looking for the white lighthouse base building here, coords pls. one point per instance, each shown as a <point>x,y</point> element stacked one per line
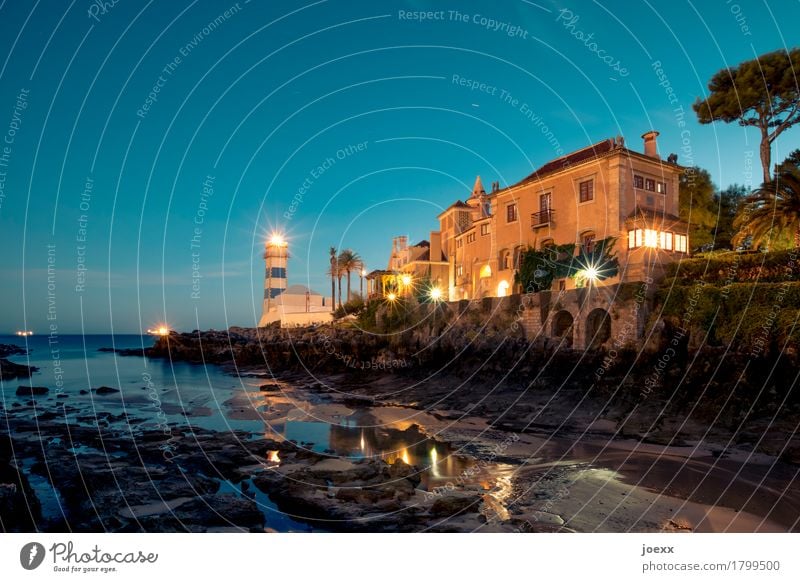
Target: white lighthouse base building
<point>296,306</point>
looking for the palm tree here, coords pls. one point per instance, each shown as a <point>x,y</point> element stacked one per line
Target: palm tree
<point>772,210</point>
<point>333,272</point>
<point>349,261</point>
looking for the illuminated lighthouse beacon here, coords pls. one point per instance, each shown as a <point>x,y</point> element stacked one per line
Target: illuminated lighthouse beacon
<point>291,305</point>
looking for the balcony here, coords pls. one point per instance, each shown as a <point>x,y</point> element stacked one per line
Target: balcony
<point>543,218</point>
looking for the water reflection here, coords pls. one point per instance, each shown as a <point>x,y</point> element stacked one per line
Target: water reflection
<point>359,436</point>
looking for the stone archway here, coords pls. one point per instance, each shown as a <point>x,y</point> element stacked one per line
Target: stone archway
<point>562,326</point>
<point>598,328</point>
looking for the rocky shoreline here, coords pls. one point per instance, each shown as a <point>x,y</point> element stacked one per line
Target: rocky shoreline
<point>707,394</point>
<point>504,400</point>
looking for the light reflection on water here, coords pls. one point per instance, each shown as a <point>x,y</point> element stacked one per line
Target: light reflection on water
<point>358,437</point>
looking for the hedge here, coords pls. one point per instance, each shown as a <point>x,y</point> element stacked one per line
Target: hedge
<point>725,268</point>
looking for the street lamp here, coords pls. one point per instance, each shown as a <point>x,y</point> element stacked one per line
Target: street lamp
<point>361,288</point>
<point>436,294</point>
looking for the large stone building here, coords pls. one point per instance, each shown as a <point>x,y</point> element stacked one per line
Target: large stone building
<point>599,191</point>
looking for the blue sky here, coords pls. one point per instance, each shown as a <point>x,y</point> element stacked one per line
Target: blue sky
<point>275,97</point>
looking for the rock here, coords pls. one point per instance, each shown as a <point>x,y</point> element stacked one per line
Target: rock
<point>32,390</point>
<point>10,370</point>
<point>400,470</point>
<point>270,388</point>
<point>105,390</point>
<point>11,350</point>
<point>450,505</point>
<point>84,392</point>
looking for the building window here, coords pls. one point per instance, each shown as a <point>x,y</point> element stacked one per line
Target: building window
<point>471,238</point>
<point>638,182</point>
<point>484,229</point>
<point>587,241</point>
<point>651,201</point>
<point>517,257</point>
<point>278,273</point>
<point>547,243</point>
<point>586,190</point>
<point>459,243</point>
<point>650,184</point>
<point>661,187</point>
<point>511,213</point>
<point>545,202</point>
<point>651,238</point>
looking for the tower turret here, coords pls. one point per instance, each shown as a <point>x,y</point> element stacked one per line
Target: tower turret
<point>276,255</point>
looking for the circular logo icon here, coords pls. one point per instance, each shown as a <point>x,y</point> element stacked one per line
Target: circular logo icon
<point>31,555</point>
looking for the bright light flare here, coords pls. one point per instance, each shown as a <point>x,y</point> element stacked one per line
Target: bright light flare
<point>391,296</point>
<point>161,329</point>
<point>436,294</point>
<point>591,273</point>
<point>277,240</point>
<point>406,279</point>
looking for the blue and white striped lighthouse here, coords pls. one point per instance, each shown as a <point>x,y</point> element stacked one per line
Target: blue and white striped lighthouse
<point>276,257</point>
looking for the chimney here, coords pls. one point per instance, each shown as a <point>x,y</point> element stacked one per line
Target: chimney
<point>436,246</point>
<point>650,147</point>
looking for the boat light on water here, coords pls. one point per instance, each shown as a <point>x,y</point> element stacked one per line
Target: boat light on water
<point>24,332</point>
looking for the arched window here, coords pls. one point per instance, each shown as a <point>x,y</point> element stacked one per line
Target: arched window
<point>505,259</point>
<point>518,256</point>
<point>587,241</point>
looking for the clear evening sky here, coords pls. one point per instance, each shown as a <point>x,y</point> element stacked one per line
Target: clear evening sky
<point>133,124</point>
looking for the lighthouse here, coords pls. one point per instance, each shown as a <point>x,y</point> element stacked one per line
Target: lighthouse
<point>275,256</point>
